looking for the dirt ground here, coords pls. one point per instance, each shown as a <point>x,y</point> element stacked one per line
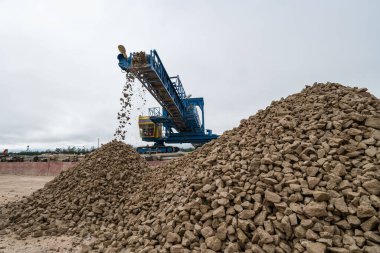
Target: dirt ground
<point>12,188</point>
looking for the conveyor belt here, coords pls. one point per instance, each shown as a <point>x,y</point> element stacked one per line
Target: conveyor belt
<point>170,95</point>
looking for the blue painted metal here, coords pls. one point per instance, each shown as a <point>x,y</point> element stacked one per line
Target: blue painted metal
<point>156,149</point>
<point>178,111</point>
<point>155,111</point>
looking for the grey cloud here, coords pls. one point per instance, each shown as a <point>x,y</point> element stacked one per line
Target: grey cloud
<point>60,83</point>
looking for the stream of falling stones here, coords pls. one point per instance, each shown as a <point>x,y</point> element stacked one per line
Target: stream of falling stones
<point>127,101</point>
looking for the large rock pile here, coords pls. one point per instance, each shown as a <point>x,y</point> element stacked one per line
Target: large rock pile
<point>86,196</point>
<point>301,175</point>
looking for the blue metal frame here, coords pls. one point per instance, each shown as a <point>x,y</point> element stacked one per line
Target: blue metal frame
<point>157,66</point>
<point>179,111</point>
<point>154,111</point>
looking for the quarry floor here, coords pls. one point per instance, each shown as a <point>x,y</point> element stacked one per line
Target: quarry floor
<point>14,187</point>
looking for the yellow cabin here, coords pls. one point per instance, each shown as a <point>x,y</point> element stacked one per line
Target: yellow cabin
<point>149,129</point>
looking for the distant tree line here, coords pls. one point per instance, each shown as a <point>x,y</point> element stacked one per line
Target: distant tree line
<point>187,149</point>
<point>69,150</point>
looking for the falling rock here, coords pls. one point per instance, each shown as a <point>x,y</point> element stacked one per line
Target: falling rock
<point>315,209</point>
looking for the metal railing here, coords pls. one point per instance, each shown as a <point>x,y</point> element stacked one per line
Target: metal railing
<point>155,111</point>
<point>157,65</point>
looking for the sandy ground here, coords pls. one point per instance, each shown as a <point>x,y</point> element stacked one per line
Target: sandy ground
<point>9,243</point>
<point>13,188</point>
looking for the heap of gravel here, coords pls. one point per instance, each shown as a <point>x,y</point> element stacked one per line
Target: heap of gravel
<point>301,175</point>
<point>86,196</point>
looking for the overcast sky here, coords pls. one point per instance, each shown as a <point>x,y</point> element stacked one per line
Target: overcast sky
<point>60,83</point>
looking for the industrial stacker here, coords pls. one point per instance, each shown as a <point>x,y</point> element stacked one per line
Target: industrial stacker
<point>178,120</point>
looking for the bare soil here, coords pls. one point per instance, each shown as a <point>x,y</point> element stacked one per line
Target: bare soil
<point>14,187</point>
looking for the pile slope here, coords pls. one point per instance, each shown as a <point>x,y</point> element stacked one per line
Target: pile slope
<point>301,175</point>
<point>84,198</point>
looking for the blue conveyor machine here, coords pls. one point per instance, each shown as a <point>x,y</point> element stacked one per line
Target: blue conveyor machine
<point>178,120</point>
